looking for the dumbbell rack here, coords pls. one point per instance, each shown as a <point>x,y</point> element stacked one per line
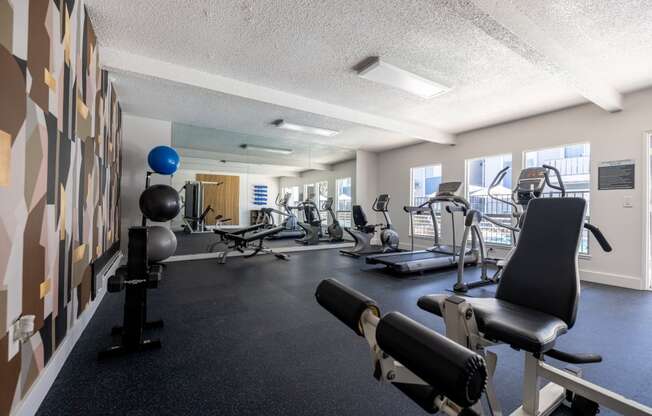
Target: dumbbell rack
<point>135,279</point>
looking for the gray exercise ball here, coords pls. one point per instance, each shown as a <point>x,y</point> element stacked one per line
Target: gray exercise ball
<point>161,243</point>
<point>160,203</point>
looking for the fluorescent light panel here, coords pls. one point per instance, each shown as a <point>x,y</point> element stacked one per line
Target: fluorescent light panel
<point>282,124</point>
<point>267,149</point>
<point>384,73</point>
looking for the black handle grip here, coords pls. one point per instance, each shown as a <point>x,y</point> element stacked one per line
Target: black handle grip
<point>574,358</point>
<point>561,186</point>
<point>457,372</point>
<point>344,303</point>
<point>602,240</point>
<point>499,176</point>
<point>450,209</point>
<point>473,217</point>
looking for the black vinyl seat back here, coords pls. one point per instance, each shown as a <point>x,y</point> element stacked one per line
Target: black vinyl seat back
<point>542,273</point>
<point>359,217</point>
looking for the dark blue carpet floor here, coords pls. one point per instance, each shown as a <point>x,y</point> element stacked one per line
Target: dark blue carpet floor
<point>247,338</point>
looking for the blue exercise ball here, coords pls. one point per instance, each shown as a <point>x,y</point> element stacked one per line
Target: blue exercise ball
<point>164,160</point>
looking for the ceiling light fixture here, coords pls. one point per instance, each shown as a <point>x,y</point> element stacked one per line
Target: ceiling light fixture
<point>282,124</point>
<point>267,149</point>
<point>376,70</point>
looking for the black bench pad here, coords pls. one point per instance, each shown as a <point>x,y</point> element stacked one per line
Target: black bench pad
<point>506,322</point>
<point>255,236</point>
<point>236,231</point>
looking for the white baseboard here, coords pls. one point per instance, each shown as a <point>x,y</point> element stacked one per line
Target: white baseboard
<point>611,279</point>
<point>292,249</point>
<point>35,395</point>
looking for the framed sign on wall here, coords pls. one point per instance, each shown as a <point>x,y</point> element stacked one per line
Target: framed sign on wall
<point>616,174</point>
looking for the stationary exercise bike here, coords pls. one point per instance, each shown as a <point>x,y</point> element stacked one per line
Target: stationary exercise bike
<point>364,232</point>
<point>334,229</point>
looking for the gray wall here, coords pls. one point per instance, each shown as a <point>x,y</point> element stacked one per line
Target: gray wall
<point>612,137</point>
<point>140,136</point>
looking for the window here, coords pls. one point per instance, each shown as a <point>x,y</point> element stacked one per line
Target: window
<point>309,192</point>
<point>294,194</point>
<point>322,195</point>
<point>424,183</point>
<point>480,173</point>
<point>343,201</point>
<point>574,164</point>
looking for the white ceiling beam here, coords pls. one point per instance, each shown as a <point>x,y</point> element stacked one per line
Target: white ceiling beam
<point>235,167</point>
<point>287,162</point>
<point>503,21</point>
<point>120,61</point>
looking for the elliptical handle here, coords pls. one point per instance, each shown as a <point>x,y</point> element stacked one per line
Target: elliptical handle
<point>561,186</point>
<point>602,240</point>
<point>499,177</point>
<point>497,180</point>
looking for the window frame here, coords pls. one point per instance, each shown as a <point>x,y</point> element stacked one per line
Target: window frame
<point>585,233</point>
<point>289,189</point>
<point>344,216</point>
<point>318,185</point>
<point>468,197</point>
<point>437,213</point>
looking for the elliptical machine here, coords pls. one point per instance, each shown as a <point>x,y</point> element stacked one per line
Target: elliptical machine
<point>311,224</point>
<point>530,185</point>
<point>334,229</point>
<point>291,222</point>
<point>364,232</point>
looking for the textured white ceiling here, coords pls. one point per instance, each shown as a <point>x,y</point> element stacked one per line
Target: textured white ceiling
<point>308,47</point>
<point>612,36</point>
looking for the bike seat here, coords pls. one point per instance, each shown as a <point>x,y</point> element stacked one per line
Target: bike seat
<point>368,228</point>
<point>499,320</point>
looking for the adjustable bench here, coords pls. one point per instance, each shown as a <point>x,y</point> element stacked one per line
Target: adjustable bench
<point>244,239</point>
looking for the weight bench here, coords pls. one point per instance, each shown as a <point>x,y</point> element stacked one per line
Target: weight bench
<point>244,239</point>
<point>536,302</point>
<point>237,231</point>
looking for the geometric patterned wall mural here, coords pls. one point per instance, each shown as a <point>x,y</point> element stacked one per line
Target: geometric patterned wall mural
<point>60,164</point>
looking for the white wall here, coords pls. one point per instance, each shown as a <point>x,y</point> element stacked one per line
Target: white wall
<point>612,137</point>
<point>366,173</point>
<point>140,136</point>
<point>246,197</point>
<point>339,170</point>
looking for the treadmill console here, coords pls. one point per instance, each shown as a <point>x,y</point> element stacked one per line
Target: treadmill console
<point>449,188</point>
<point>328,204</point>
<point>531,183</point>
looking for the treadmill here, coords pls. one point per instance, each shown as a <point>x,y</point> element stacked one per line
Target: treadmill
<point>439,255</point>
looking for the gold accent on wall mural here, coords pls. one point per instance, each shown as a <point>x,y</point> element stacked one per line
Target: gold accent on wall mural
<point>45,287</point>
<point>49,80</point>
<point>79,253</point>
<point>5,158</point>
<point>81,108</point>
